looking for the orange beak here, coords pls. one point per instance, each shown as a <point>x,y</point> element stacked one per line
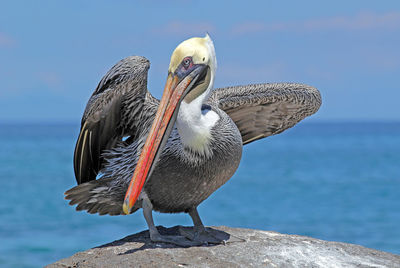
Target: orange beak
<point>159,133</point>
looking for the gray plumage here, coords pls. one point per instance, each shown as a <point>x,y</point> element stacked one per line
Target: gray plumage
<point>116,109</point>
<point>262,110</point>
<point>122,107</point>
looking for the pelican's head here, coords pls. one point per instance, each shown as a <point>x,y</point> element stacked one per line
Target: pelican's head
<point>190,77</point>
<point>195,55</point>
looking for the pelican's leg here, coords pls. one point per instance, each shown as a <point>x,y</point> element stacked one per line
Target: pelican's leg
<point>155,236</point>
<point>148,216</point>
<point>197,223</point>
<point>199,232</point>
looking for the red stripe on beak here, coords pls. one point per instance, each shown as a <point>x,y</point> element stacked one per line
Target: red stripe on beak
<point>169,102</point>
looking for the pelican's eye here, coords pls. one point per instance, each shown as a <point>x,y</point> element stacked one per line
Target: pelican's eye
<point>187,62</point>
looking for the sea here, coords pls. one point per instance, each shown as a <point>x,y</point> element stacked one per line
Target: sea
<point>337,181</point>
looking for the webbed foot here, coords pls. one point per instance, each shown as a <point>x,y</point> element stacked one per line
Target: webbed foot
<point>204,235</point>
<point>174,239</point>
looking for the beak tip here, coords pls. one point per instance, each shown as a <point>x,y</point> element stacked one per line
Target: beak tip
<point>126,208</point>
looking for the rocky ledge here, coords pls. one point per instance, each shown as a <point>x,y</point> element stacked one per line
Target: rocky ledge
<point>244,248</point>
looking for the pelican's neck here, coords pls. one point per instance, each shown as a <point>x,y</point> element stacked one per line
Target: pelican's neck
<point>194,124</point>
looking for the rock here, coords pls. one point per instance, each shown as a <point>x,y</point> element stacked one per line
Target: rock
<point>260,249</point>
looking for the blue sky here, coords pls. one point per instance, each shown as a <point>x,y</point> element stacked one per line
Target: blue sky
<point>53,53</point>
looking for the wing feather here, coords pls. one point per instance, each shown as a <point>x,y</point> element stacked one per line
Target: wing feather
<point>262,110</point>
<point>113,111</point>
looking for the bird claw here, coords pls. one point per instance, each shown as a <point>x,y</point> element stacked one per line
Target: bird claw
<point>175,240</point>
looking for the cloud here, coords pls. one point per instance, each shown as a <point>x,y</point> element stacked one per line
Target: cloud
<point>183,28</point>
<point>6,41</point>
<point>361,21</point>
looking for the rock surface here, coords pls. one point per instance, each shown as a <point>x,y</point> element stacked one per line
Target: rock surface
<point>260,249</point>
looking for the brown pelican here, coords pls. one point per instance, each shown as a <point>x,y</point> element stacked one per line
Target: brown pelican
<point>180,149</point>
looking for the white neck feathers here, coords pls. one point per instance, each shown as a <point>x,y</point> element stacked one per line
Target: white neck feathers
<point>194,126</point>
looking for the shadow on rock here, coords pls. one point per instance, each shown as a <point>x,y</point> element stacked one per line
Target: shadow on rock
<point>144,237</point>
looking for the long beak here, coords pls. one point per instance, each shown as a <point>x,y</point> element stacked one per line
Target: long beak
<point>159,133</point>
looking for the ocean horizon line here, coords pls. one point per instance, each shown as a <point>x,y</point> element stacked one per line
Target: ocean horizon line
<point>306,122</point>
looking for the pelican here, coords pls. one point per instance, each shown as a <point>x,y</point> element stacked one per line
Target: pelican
<point>134,151</point>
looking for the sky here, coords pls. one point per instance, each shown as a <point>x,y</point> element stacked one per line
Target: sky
<point>53,53</point>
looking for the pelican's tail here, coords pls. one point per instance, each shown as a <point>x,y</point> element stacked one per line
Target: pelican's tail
<point>97,197</point>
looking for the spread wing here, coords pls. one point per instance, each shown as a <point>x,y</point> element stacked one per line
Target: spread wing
<point>262,110</point>
<point>112,113</point>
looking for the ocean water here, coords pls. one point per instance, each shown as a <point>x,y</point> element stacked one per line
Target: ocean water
<point>333,181</point>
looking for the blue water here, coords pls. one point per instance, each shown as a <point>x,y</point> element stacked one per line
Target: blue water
<point>333,181</point>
